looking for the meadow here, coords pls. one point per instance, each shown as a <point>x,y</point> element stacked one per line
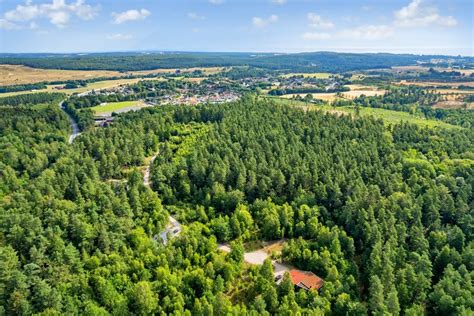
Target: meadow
<point>117,107</point>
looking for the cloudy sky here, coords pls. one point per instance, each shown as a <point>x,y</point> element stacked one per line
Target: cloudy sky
<point>398,26</point>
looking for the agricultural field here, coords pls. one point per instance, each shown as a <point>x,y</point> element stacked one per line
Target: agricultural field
<point>328,97</point>
<point>356,91</point>
<point>19,74</point>
<point>453,104</point>
<point>98,85</point>
<point>118,107</point>
<point>414,68</point>
<point>436,84</point>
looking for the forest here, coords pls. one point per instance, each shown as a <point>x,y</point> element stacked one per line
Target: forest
<point>308,62</point>
<point>383,214</point>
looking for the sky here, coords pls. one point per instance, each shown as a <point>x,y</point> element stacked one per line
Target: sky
<point>395,26</point>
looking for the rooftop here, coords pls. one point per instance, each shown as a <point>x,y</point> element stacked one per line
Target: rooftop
<point>306,280</point>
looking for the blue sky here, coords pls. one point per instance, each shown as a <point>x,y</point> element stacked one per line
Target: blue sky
<point>398,26</point>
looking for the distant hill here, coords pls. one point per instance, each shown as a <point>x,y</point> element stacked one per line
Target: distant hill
<point>306,62</point>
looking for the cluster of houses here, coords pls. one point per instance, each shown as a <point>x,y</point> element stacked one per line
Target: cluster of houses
<point>217,97</point>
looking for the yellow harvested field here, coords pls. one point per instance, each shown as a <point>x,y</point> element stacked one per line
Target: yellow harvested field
<point>321,96</point>
<point>18,74</point>
<point>410,68</point>
<point>99,85</point>
<point>436,84</point>
<point>360,87</point>
<point>466,72</point>
<point>452,105</point>
<point>454,91</point>
<point>356,91</point>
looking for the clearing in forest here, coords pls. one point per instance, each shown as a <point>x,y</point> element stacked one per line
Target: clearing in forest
<point>118,107</point>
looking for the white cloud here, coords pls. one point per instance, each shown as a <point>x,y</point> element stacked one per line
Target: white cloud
<point>318,22</point>
<point>120,37</point>
<point>195,30</point>
<point>417,13</point>
<point>280,2</point>
<point>367,32</point>
<point>216,2</point>
<point>58,12</point>
<point>316,36</point>
<point>195,16</point>
<point>7,25</point>
<point>263,22</point>
<point>130,15</point>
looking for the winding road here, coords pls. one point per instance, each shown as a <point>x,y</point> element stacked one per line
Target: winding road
<point>75,128</point>
<point>173,228</point>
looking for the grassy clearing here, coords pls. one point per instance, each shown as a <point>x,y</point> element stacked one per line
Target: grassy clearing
<point>388,116</point>
<point>117,107</point>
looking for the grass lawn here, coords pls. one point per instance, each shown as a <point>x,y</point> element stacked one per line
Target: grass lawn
<point>389,117</point>
<point>117,107</point>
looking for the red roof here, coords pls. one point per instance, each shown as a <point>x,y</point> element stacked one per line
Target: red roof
<point>306,280</point>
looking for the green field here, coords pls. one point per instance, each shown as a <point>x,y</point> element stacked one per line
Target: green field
<point>389,117</point>
<point>109,108</point>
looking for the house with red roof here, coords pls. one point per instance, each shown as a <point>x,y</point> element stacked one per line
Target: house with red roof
<point>306,280</point>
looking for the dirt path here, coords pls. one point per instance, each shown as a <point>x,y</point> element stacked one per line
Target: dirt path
<point>173,228</point>
<point>258,257</point>
<point>146,176</point>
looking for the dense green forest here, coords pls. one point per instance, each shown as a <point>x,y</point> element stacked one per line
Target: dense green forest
<point>383,214</point>
<point>319,61</point>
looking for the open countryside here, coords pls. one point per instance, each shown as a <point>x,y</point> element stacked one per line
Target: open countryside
<point>217,158</point>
